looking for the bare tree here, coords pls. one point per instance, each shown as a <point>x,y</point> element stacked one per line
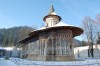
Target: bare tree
<point>89,33</point>
<point>98,22</point>
<point>98,27</point>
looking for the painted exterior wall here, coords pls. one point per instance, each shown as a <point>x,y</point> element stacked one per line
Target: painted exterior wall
<point>50,46</point>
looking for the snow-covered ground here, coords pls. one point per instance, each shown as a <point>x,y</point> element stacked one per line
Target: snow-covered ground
<point>4,62</point>
<point>22,62</point>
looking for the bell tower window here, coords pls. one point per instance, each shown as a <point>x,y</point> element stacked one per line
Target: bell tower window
<point>52,18</point>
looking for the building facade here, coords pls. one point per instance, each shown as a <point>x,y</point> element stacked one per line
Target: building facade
<point>52,42</point>
<point>2,52</point>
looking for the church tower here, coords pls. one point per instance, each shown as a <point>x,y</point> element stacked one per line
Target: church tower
<point>52,18</point>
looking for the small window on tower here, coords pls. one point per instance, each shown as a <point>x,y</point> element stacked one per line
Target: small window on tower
<point>70,47</point>
<point>47,24</point>
<point>56,22</point>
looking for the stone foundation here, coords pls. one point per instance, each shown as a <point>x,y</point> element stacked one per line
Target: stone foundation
<point>50,58</point>
<point>36,57</point>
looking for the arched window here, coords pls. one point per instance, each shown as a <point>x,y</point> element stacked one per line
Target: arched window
<point>64,45</point>
<point>49,47</point>
<point>43,47</point>
<point>54,46</point>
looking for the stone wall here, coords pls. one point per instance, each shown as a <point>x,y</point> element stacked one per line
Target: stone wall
<point>82,52</point>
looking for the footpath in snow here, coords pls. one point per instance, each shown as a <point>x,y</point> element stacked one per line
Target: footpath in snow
<point>23,62</point>
<point>86,62</point>
<point>4,62</point>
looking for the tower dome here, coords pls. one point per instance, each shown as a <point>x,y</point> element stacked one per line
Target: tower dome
<point>52,18</point>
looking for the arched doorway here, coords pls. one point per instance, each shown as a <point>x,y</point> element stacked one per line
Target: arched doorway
<point>49,47</point>
<point>49,50</point>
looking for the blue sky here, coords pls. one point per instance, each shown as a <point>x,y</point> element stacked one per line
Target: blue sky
<point>31,12</point>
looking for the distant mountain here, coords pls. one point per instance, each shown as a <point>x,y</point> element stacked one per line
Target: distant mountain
<point>77,43</point>
<point>10,36</point>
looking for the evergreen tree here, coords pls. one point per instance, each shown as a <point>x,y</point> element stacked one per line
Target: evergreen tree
<point>10,36</point>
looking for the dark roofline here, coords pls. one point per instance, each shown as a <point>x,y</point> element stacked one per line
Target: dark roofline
<point>76,31</point>
<point>51,16</point>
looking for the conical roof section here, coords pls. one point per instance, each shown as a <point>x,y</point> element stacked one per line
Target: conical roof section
<point>51,10</point>
<point>62,24</point>
<point>52,13</point>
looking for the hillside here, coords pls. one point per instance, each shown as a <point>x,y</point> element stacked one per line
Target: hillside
<point>10,36</point>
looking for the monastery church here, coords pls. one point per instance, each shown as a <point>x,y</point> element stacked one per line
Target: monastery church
<point>52,42</point>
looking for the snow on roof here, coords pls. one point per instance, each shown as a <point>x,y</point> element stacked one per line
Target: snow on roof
<point>53,13</point>
<point>44,27</point>
<point>57,25</point>
<point>1,48</point>
<point>62,24</point>
<point>8,48</point>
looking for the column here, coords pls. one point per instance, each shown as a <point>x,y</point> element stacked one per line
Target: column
<point>44,47</point>
<point>52,46</point>
<point>66,46</point>
<point>40,47</point>
<point>60,45</point>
